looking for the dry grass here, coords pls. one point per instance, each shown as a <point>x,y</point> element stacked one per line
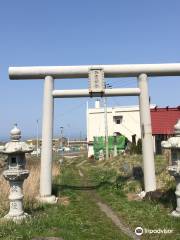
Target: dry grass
<point>31,184</point>
<point>64,201</point>
<point>4,192</point>
<point>165,180</point>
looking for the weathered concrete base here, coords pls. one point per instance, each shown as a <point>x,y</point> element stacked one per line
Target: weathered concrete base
<point>48,199</point>
<point>16,218</point>
<point>175,214</point>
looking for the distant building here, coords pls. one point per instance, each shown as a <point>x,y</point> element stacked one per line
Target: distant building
<point>126,121</point>
<point>57,142</point>
<point>163,121</point>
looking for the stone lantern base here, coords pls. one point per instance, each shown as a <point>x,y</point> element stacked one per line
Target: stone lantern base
<point>16,179</point>
<point>16,218</point>
<point>174,171</point>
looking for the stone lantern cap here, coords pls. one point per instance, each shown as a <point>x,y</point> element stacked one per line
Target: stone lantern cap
<point>15,145</point>
<point>173,142</point>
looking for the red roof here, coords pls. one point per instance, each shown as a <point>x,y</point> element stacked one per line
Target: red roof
<point>164,119</point>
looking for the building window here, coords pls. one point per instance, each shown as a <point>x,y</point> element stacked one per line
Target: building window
<point>118,119</point>
<point>13,160</point>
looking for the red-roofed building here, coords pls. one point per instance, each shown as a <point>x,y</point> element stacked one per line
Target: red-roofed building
<point>163,121</point>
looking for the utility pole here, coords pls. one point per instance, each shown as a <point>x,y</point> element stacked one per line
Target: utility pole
<point>68,134</point>
<point>37,138</point>
<point>106,128</point>
<point>61,136</point>
<point>106,123</point>
<point>61,128</point>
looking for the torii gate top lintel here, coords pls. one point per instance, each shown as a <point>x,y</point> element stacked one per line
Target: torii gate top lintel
<point>119,70</point>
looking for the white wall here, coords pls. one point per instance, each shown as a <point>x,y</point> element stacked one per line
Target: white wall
<point>129,126</point>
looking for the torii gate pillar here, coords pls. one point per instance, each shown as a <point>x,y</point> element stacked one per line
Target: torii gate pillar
<point>146,135</point>
<point>47,137</point>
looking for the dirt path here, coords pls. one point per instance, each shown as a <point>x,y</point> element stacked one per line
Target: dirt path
<point>106,209</point>
<point>116,220</point>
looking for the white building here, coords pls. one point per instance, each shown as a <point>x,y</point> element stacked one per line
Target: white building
<point>123,120</point>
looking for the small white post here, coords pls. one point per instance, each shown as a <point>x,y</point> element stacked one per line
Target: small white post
<point>47,136</point>
<point>146,133</point>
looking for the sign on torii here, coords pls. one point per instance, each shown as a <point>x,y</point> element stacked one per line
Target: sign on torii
<point>141,71</point>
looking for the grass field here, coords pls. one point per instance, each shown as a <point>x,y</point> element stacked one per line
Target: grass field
<point>118,191</point>
<point>77,215</point>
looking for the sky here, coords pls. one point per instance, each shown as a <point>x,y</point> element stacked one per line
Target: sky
<point>67,32</point>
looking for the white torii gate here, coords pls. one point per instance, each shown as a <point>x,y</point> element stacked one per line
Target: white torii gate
<point>141,71</point>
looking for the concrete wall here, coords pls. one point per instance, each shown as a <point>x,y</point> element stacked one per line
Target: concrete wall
<point>130,124</point>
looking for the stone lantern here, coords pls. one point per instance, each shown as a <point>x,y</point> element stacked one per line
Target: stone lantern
<point>173,144</point>
<point>16,173</point>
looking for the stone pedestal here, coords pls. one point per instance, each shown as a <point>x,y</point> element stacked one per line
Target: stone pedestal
<point>16,180</point>
<point>173,171</point>
<point>176,213</point>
